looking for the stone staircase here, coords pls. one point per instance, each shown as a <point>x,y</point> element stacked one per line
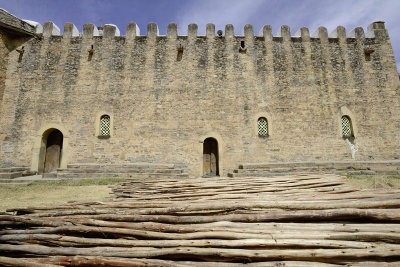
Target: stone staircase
<point>130,170</point>
<point>14,172</point>
<point>387,167</point>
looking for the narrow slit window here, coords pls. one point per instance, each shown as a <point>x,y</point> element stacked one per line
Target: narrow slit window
<point>367,53</point>
<point>347,128</point>
<point>105,125</point>
<point>242,48</point>
<point>91,51</point>
<point>367,57</point>
<point>262,127</point>
<point>180,54</point>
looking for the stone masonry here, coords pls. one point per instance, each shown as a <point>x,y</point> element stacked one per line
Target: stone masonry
<point>166,94</point>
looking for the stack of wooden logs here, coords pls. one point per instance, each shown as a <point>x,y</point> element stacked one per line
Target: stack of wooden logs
<point>302,220</point>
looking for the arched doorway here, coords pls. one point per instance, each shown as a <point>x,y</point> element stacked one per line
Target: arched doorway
<point>210,157</point>
<point>51,151</point>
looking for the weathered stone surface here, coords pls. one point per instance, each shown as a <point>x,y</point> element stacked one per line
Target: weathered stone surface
<point>162,108</point>
<point>14,24</point>
<point>388,167</point>
<point>14,172</point>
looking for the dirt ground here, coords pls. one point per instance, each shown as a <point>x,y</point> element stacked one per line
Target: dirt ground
<point>22,194</point>
<point>374,182</point>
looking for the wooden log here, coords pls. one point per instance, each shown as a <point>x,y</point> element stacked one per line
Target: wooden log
<point>215,220</point>
<point>193,235</point>
<point>227,205</point>
<point>225,235</point>
<point>191,195</point>
<point>228,186</point>
<point>107,261</point>
<point>336,255</point>
<point>242,227</point>
<point>373,264</point>
<point>272,242</point>
<point>123,262</point>
<point>391,201</point>
<point>155,204</point>
<point>219,229</point>
<point>332,226</point>
<point>7,261</point>
<point>288,205</point>
<point>225,189</point>
<point>246,263</point>
<point>32,221</point>
<point>392,215</point>
<point>382,237</point>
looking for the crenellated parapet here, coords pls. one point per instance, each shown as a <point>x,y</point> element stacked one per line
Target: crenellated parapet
<point>281,54</point>
<point>16,25</point>
<point>374,30</point>
<point>162,96</point>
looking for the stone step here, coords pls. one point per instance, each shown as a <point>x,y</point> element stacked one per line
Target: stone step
<point>119,170</point>
<point>370,172</point>
<point>29,173</point>
<point>14,172</point>
<point>120,175</point>
<point>10,175</point>
<point>361,172</point>
<point>271,174</point>
<point>139,165</point>
<point>265,174</point>
<point>50,175</point>
<point>14,169</point>
<point>282,169</point>
<point>269,165</point>
<point>388,165</point>
<point>123,170</point>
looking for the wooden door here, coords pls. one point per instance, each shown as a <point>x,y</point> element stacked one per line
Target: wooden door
<point>210,157</point>
<point>53,151</point>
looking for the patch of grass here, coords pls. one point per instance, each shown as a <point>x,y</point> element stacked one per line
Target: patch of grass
<point>52,193</point>
<point>3,181</point>
<point>374,181</point>
<point>72,182</point>
<point>81,182</point>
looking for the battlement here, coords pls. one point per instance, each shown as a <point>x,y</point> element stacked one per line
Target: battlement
<point>184,97</point>
<point>16,25</point>
<point>374,30</point>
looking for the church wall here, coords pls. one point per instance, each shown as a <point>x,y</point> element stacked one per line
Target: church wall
<point>163,108</point>
<point>3,64</point>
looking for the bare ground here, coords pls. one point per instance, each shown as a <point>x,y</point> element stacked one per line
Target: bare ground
<point>23,194</point>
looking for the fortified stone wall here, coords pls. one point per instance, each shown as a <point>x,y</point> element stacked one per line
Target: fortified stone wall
<point>3,64</point>
<point>166,94</point>
<point>8,43</point>
<point>13,33</point>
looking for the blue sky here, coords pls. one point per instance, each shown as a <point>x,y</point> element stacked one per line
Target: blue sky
<point>295,13</point>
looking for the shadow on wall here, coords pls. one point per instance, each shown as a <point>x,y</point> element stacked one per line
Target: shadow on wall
<point>210,157</point>
<point>50,151</point>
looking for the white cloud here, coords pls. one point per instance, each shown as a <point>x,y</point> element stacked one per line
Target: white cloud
<point>237,12</point>
<point>357,13</point>
<point>295,13</point>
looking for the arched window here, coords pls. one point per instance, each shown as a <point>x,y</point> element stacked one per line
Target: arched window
<point>347,128</point>
<point>262,127</point>
<point>105,125</point>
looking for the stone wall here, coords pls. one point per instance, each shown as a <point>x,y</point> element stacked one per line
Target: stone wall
<point>163,108</point>
<point>13,33</point>
<point>3,65</point>
<point>15,25</point>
